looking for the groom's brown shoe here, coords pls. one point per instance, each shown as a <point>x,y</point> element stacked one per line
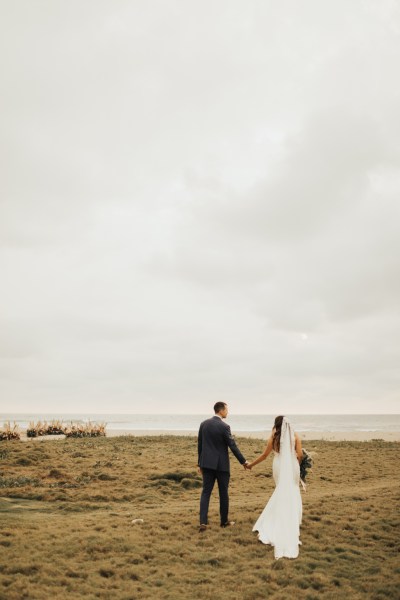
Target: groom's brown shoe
<point>228,524</point>
<point>202,528</point>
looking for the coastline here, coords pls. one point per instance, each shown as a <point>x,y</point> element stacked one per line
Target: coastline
<point>331,436</point>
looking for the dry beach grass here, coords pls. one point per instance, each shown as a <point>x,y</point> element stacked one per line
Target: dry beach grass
<point>67,506</point>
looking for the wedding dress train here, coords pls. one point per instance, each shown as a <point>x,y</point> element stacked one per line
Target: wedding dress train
<point>279,523</point>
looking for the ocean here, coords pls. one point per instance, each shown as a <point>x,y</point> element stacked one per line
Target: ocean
<point>239,423</point>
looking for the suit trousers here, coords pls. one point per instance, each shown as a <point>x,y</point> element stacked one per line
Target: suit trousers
<point>209,477</point>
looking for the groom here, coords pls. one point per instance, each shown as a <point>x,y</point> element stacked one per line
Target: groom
<point>213,442</point>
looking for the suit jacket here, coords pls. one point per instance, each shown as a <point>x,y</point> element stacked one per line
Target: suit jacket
<point>213,442</point>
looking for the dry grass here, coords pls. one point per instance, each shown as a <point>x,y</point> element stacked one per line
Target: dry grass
<point>9,432</point>
<point>67,506</point>
<point>76,430</point>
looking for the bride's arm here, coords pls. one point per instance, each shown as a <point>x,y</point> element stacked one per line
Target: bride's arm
<point>298,448</point>
<point>262,456</point>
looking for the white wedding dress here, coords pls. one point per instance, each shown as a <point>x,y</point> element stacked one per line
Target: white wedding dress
<point>279,523</point>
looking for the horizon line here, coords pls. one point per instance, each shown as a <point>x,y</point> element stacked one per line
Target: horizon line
<point>197,414</point>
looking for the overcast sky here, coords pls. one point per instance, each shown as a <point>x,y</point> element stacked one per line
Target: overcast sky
<point>200,201</point>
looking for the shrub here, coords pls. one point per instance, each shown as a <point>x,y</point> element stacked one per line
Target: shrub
<point>86,430</point>
<point>10,433</point>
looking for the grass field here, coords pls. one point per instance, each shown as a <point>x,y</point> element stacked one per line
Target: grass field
<point>67,506</point>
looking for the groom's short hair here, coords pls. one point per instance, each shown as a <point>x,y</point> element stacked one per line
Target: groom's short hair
<point>219,406</point>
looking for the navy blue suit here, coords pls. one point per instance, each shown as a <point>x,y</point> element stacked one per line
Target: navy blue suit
<point>214,439</point>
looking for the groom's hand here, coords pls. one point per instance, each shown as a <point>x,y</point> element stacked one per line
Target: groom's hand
<point>246,466</point>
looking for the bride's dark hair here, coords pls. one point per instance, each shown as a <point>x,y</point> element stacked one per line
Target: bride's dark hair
<point>276,440</point>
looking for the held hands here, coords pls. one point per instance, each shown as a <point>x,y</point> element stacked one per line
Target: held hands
<point>247,466</point>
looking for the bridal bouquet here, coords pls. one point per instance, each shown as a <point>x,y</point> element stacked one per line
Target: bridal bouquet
<point>305,464</point>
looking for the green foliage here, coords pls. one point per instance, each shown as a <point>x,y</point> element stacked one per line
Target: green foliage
<point>305,464</point>
<point>176,476</point>
<point>13,482</point>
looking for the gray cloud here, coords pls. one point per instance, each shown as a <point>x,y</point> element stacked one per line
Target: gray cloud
<point>200,201</point>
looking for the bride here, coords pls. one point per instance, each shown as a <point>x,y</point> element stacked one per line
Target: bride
<point>279,523</point>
